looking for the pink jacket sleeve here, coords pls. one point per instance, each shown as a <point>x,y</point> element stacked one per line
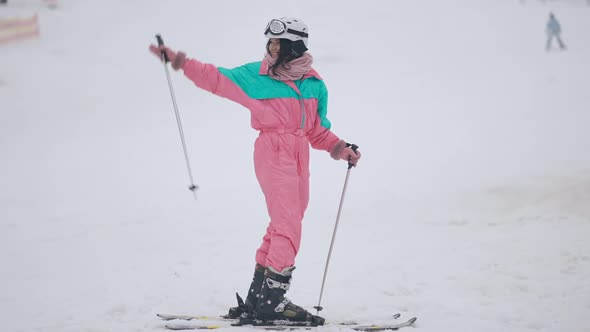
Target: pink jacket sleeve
<point>208,77</point>
<point>322,138</point>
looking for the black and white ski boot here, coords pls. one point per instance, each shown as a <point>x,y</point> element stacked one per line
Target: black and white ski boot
<point>249,306</point>
<point>273,305</point>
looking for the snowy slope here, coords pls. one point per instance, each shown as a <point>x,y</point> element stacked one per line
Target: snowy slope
<point>470,207</point>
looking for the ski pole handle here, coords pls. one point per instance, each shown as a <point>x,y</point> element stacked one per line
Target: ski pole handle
<point>161,43</point>
<point>354,147</point>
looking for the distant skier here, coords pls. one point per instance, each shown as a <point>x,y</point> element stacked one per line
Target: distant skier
<point>554,31</point>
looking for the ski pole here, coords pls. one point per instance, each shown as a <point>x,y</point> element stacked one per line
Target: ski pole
<point>192,187</point>
<point>354,147</point>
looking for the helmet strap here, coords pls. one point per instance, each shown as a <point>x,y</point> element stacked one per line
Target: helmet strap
<point>298,48</point>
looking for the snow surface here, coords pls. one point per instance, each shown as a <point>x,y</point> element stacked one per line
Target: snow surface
<point>470,208</point>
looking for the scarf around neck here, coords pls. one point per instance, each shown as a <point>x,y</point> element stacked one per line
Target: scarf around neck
<point>296,67</point>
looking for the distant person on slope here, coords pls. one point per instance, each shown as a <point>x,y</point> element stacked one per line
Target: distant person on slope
<point>288,102</point>
<point>554,31</point>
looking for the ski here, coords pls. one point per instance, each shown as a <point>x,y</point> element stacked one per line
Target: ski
<point>386,327</point>
<point>181,327</point>
<point>170,317</point>
<point>189,317</point>
<point>292,326</point>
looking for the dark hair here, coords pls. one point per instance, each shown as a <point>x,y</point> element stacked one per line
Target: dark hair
<point>285,55</point>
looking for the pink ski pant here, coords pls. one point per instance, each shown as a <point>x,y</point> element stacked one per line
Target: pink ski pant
<point>281,161</point>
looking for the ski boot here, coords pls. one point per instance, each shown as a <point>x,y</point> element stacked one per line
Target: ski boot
<point>273,305</point>
<point>249,306</point>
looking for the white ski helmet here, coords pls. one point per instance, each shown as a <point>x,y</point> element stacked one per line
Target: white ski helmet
<point>288,28</point>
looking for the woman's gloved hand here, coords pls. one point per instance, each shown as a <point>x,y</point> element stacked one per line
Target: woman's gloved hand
<point>177,59</point>
<point>342,151</point>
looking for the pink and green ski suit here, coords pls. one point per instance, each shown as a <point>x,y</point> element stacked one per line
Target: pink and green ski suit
<point>290,116</point>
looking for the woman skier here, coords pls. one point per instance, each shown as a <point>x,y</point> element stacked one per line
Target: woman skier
<point>287,99</point>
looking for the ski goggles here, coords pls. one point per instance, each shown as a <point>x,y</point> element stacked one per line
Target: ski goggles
<point>277,27</point>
